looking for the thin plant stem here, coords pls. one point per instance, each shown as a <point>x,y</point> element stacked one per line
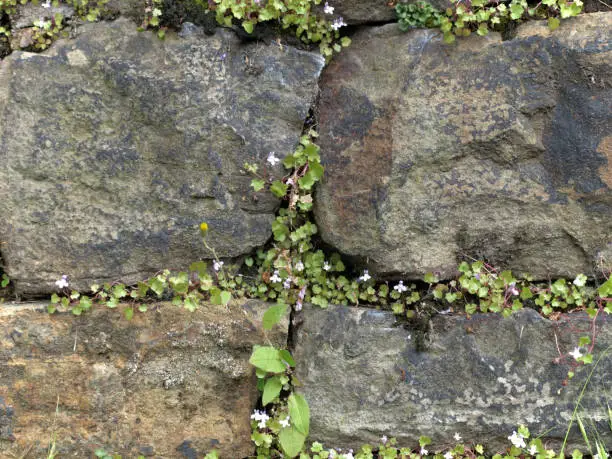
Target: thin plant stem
<point>575,413</point>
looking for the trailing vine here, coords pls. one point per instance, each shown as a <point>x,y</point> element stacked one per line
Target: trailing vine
<point>481,16</point>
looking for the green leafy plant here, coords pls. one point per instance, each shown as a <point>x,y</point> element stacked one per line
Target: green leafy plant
<point>480,16</point>
<point>418,14</point>
<point>47,30</point>
<point>298,14</point>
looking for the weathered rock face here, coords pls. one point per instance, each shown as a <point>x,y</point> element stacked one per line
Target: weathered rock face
<point>167,384</point>
<point>115,146</point>
<point>365,375</point>
<point>489,149</point>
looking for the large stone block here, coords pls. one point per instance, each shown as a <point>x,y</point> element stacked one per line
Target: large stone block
<point>483,149</point>
<point>366,375</point>
<point>169,383</point>
<point>115,146</point>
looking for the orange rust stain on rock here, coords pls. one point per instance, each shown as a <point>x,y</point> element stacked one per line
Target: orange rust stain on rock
<point>605,171</point>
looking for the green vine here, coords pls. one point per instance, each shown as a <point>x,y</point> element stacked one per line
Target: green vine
<point>480,16</point>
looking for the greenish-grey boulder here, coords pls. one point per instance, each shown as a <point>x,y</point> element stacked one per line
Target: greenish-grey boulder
<point>365,374</point>
<point>486,149</point>
<point>116,145</point>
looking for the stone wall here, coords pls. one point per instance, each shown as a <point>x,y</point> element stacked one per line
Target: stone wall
<point>115,145</point>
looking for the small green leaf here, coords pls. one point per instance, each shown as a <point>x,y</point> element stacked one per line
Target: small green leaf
<point>285,355</point>
<point>424,441</point>
<point>129,313</point>
<point>291,441</point>
<point>157,286</point>
<point>258,184</point>
<point>278,188</point>
<point>268,359</point>
<point>299,413</point>
<point>248,26</point>
<point>431,278</point>
<point>271,390</point>
<point>553,23</point>
<point>199,267</point>
<point>273,315</point>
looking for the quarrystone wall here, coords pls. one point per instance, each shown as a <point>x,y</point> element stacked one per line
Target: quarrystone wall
<point>168,383</point>
<point>484,149</point>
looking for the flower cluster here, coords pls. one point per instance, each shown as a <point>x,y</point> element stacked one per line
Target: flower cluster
<point>261,417</point>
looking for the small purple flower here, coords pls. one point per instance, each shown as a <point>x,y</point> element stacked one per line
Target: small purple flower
<point>338,22</point>
<point>63,282</point>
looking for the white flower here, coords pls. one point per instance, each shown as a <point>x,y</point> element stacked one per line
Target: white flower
<point>423,452</point>
<point>517,440</point>
<point>533,450</point>
<point>157,12</point>
<point>326,266</point>
<point>366,276</point>
<point>580,280</point>
<point>448,455</point>
<point>328,9</point>
<point>348,455</point>
<point>457,436</point>
<point>384,439</point>
<point>217,265</point>
<point>272,159</point>
<point>40,24</point>
<point>339,22</point>
<point>275,277</point>
<point>287,283</point>
<point>47,4</point>
<point>261,417</point>
<point>400,287</point>
<point>63,282</point>
<point>332,453</point>
<point>299,266</point>
<point>576,353</point>
<point>284,422</point>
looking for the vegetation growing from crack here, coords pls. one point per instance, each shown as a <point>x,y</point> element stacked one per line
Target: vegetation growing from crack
<point>309,24</point>
<point>480,16</point>
<point>292,270</point>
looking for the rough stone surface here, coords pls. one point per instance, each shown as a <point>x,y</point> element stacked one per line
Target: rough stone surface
<point>169,383</point>
<point>486,149</point>
<point>115,146</point>
<point>366,375</point>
